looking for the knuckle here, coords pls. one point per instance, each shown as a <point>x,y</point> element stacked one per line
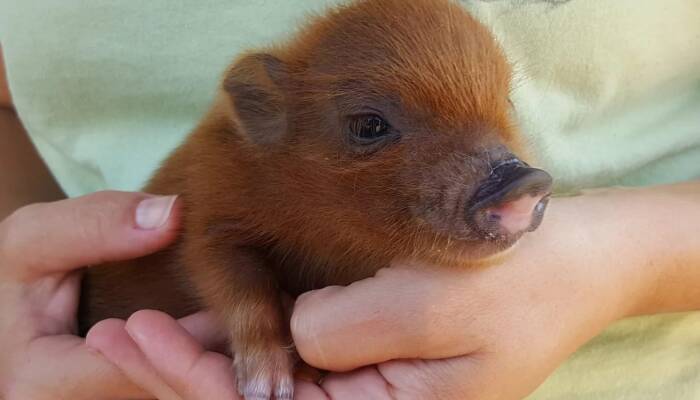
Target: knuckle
<point>94,227</point>
<point>93,222</point>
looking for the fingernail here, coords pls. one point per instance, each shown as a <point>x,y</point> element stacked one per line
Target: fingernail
<point>153,212</point>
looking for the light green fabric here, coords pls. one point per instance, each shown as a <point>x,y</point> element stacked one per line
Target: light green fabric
<point>608,92</point>
<point>107,88</point>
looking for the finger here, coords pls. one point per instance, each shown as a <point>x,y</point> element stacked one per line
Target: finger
<point>439,379</point>
<point>476,376</point>
<point>93,229</point>
<point>111,339</point>
<point>399,313</point>
<point>206,330</point>
<point>308,391</point>
<point>364,383</point>
<point>65,367</point>
<point>410,379</point>
<point>181,362</point>
<point>458,378</point>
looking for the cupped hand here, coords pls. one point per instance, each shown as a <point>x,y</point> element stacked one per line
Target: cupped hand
<point>492,332</point>
<point>173,362</point>
<point>416,331</point>
<point>42,246</point>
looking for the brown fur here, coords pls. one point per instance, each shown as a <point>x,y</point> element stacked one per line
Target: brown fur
<point>275,198</point>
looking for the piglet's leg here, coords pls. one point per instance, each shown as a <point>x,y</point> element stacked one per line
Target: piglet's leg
<point>239,287</point>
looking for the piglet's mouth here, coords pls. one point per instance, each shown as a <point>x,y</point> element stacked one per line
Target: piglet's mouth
<point>510,202</point>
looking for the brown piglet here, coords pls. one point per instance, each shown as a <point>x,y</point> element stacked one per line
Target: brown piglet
<point>382,131</point>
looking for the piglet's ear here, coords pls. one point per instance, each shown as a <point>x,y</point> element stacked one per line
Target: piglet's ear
<point>256,86</point>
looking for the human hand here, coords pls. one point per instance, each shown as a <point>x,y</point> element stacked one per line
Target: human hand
<point>419,332</point>
<point>41,248</point>
<point>158,354</point>
<point>492,332</point>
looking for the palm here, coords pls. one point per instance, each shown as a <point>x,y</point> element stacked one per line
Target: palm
<point>53,309</point>
<point>51,351</point>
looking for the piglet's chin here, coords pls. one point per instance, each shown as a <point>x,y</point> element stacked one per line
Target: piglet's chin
<point>474,253</point>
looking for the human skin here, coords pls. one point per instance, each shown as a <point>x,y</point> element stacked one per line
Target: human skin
<point>40,247</point>
<point>487,333</point>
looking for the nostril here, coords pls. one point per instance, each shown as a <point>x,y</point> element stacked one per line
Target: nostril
<point>511,201</point>
<point>517,216</point>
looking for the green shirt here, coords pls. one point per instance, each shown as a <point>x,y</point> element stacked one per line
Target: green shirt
<point>608,93</point>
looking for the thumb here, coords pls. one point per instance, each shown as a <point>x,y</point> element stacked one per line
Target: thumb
<point>93,229</point>
<point>398,314</point>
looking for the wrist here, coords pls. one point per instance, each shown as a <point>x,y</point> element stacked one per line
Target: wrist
<point>585,253</point>
<point>608,241</point>
<point>671,249</point>
<point>650,244</point>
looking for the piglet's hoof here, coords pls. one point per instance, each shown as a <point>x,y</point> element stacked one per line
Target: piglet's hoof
<point>264,372</point>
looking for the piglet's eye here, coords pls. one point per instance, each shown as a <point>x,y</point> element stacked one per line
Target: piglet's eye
<point>368,128</point>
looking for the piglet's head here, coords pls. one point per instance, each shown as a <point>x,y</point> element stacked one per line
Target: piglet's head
<point>390,120</point>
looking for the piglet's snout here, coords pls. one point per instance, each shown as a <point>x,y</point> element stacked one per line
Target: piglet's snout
<point>510,202</point>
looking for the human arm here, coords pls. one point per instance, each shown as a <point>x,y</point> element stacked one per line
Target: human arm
<point>24,177</point>
<point>673,254</point>
<point>5,99</point>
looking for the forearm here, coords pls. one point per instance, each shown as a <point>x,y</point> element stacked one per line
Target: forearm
<point>673,240</point>
<point>24,177</point>
<point>5,99</point>
<point>649,240</point>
